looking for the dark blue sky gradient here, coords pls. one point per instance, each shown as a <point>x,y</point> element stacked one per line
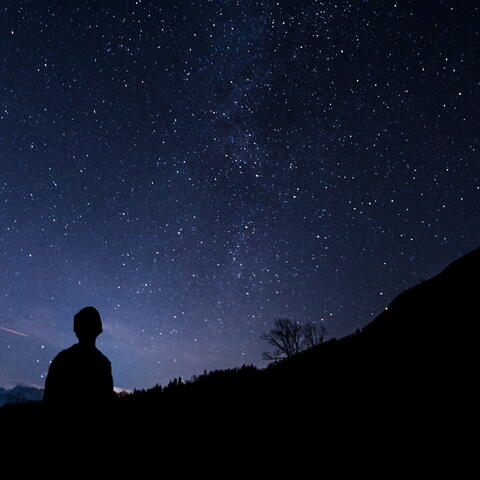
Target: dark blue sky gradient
<point>194,169</point>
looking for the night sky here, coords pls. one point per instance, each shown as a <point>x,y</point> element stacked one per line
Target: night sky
<point>195,169</point>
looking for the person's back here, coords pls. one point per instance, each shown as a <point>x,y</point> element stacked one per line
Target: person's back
<point>81,375</point>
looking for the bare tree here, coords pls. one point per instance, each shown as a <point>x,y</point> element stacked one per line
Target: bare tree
<point>313,334</point>
<point>289,337</point>
<point>286,337</point>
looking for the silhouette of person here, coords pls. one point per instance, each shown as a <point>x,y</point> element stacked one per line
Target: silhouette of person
<point>81,375</point>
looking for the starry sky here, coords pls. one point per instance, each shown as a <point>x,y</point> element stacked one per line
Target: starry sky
<point>195,169</point>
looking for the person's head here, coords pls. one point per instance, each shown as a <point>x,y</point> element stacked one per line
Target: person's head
<point>87,324</point>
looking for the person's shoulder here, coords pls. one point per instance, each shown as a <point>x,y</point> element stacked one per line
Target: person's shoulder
<point>102,357</point>
<point>63,357</point>
<point>66,353</point>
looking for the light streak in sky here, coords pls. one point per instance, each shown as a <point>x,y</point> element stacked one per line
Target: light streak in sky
<point>14,332</point>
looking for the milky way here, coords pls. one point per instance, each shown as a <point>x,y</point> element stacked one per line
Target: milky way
<point>195,169</point>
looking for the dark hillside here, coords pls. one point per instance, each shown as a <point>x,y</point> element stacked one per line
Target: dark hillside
<point>410,360</point>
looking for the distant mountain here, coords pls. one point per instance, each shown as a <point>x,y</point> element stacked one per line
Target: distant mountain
<point>20,394</point>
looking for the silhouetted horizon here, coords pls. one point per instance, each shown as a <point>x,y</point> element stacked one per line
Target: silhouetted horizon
<point>364,357</point>
<point>406,375</point>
